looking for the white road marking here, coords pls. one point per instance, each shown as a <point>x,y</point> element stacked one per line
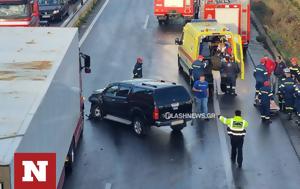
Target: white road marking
<point>146,21</point>
<point>86,33</point>
<point>108,186</point>
<point>224,146</point>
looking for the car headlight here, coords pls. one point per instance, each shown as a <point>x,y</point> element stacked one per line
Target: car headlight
<point>55,11</point>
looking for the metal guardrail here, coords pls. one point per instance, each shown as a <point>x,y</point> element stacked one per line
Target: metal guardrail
<point>72,19</point>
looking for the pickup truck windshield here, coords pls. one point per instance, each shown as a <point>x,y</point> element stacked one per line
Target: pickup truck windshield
<point>14,11</point>
<point>49,2</point>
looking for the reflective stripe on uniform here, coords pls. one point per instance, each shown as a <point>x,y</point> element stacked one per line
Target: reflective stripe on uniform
<point>236,134</point>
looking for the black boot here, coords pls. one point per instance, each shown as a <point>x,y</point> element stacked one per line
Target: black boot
<point>290,116</point>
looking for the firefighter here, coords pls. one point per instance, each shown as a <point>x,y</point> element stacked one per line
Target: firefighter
<point>236,129</point>
<point>269,64</point>
<point>286,91</point>
<point>138,68</point>
<point>260,75</point>
<point>294,68</point>
<point>265,96</point>
<point>297,101</point>
<point>198,67</point>
<point>229,71</point>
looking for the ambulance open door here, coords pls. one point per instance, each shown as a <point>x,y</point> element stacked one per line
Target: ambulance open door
<point>238,54</point>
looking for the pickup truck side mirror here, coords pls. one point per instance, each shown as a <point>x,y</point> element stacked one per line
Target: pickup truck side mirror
<point>178,42</point>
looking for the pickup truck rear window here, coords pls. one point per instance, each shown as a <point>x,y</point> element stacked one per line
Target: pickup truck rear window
<point>167,96</point>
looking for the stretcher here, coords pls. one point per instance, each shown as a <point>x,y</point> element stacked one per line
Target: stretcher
<point>274,108</point>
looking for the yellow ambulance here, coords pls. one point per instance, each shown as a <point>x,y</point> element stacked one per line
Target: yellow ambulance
<point>203,37</point>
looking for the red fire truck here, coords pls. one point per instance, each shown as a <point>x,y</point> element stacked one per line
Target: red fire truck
<point>166,9</point>
<point>235,14</point>
<point>19,13</point>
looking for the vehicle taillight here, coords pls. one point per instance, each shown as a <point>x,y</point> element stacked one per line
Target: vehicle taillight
<point>156,113</point>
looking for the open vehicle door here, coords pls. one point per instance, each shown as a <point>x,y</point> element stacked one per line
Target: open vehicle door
<point>238,53</point>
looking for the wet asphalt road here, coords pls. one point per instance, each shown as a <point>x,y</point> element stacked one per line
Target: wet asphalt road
<point>110,154</point>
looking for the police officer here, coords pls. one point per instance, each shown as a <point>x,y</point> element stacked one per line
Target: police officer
<point>236,129</point>
<point>261,75</point>
<point>294,68</point>
<point>297,101</point>
<point>198,68</point>
<point>286,91</point>
<point>138,68</point>
<point>265,96</point>
<point>230,70</point>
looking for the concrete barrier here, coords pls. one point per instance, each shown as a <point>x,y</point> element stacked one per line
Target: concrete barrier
<point>273,50</point>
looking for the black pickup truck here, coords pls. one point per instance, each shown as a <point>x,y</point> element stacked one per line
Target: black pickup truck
<point>143,103</point>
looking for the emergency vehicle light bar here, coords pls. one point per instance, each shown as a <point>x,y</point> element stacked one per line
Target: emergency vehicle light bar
<point>199,20</point>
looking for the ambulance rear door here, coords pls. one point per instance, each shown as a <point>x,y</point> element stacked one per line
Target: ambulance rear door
<point>238,53</point>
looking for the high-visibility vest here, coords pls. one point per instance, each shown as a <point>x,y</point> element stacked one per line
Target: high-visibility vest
<point>236,125</point>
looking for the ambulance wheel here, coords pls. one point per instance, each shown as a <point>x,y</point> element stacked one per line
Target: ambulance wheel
<point>179,65</point>
<point>191,81</point>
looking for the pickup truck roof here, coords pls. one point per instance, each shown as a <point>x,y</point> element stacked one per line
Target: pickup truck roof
<point>30,58</point>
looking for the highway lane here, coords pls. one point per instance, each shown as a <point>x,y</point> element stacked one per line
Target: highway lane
<point>111,155</point>
<point>110,152</point>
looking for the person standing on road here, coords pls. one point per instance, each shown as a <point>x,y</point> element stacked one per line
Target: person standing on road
<point>138,68</point>
<point>236,129</point>
<point>294,68</point>
<point>269,64</point>
<point>198,68</point>
<point>261,75</point>
<point>286,91</point>
<point>230,70</point>
<point>201,92</point>
<point>297,101</point>
<point>265,96</point>
<point>279,69</point>
<point>279,72</point>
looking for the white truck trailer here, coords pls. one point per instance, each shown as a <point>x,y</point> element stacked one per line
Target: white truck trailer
<point>40,96</point>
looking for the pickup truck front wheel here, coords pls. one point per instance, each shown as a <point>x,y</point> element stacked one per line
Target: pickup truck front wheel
<point>96,112</point>
<point>178,128</point>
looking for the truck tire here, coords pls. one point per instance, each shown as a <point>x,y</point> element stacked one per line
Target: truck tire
<point>160,22</point>
<point>178,128</point>
<point>96,112</point>
<point>139,126</point>
<point>71,158</point>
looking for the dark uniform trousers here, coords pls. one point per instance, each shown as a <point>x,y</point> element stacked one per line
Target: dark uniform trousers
<point>237,148</point>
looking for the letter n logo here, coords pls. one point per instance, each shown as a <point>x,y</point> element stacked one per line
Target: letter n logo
<point>35,170</point>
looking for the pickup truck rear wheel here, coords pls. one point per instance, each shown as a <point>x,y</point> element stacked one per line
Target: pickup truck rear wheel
<point>178,127</point>
<point>139,126</point>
